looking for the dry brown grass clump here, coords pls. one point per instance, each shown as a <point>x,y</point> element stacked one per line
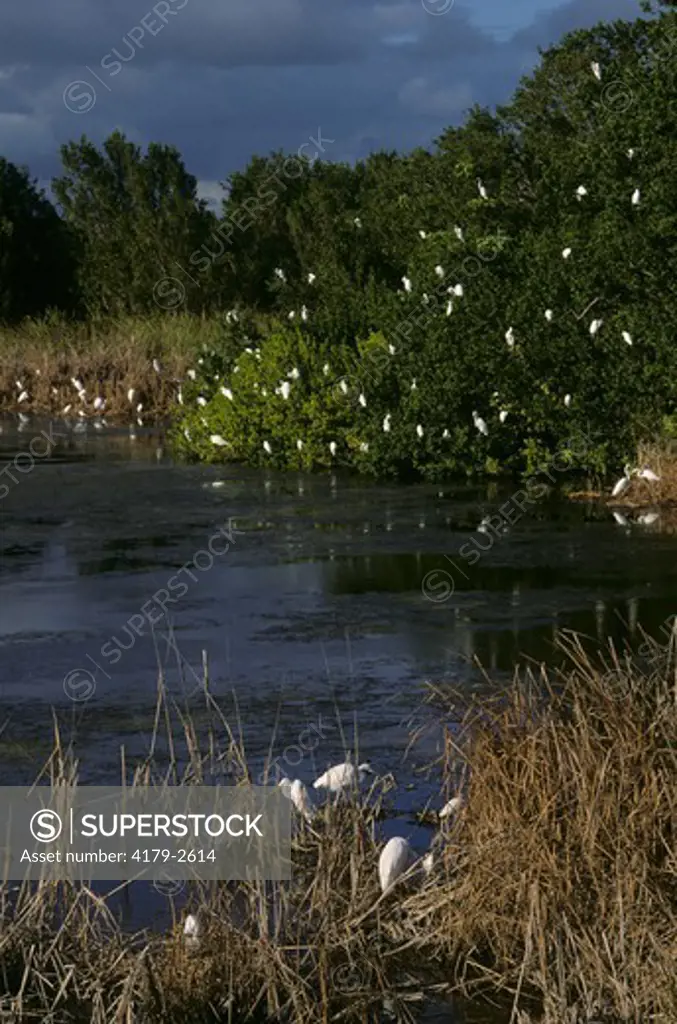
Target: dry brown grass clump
<point>564,885</point>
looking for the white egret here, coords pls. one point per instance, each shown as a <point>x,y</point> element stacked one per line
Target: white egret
<point>363,401</point>
<point>304,312</point>
<point>325,369</point>
<point>300,797</point>
<point>566,253</point>
<point>503,415</point>
<point>580,192</point>
<point>77,384</point>
<point>449,307</point>
<point>627,337</point>
<point>567,400</point>
<point>267,448</point>
<point>422,234</point>
<point>595,326</point>
<point>549,315</point>
<point>284,389</point>
<point>201,400</point>
<point>344,385</point>
<point>425,298</point>
<point>226,392</point>
<point>311,277</point>
<point>419,430</point>
<point>439,270</point>
<point>446,435</point>
<point>647,518</point>
<point>99,402</point>
<point>66,409</point>
<point>479,423</point>
<point>364,447</point>
<point>397,856</point>
<point>299,444</point>
<point>342,777</point>
<point>156,366</point>
<point>179,396</point>
<point>332,448</point>
<point>647,474</point>
<point>414,385</point>
<point>406,283</point>
<point>451,807</point>
<point>635,198</point>
<point>596,70</point>
<point>458,290</point>
<point>357,222</point>
<point>19,385</point>
<point>427,864</point>
<point>392,350</point>
<point>510,337</point>
<point>218,441</point>
<point>23,396</point>
<point>458,232</point>
<point>291,314</point>
<point>621,486</point>
<point>620,519</point>
<point>191,931</point>
<point>279,273</point>
<point>386,423</point>
<point>631,153</point>
<point>481,189</point>
<point>190,373</point>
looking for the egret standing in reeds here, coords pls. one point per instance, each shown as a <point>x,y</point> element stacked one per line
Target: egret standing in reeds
<point>343,777</point>
<point>621,486</point>
<point>397,856</point>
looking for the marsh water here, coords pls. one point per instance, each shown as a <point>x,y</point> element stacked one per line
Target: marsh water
<point>314,601</point>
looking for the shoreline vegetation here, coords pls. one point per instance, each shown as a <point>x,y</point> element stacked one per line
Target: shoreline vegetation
<point>502,303</point>
<point>552,891</point>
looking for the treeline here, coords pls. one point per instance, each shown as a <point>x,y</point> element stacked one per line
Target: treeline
<point>519,274</point>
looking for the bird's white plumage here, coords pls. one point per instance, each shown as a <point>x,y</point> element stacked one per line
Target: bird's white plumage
<point>396,857</point>
<point>191,930</point>
<point>299,796</point>
<point>342,776</point>
<point>648,474</point>
<point>451,807</point>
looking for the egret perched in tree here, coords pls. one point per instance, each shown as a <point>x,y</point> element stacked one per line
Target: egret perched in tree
<point>217,440</point>
<point>332,448</point>
<point>364,447</point>
<point>596,70</point>
<point>342,777</point>
<point>191,374</point>
<point>567,400</point>
<point>631,153</point>
<point>458,232</point>
<point>299,796</point>
<point>201,400</point>
<point>363,401</point>
<point>481,189</point>
<point>636,196</point>
<point>357,222</point>
<point>344,385</point>
<point>299,444</point>
<point>311,278</point>
<point>191,931</point>
<point>450,307</point>
<point>439,270</point>
<point>397,856</point>
<point>621,486</point>
<point>566,253</point>
<point>279,273</point>
<point>549,315</point>
<point>580,192</point>
<point>291,314</point>
<point>226,392</point>
<point>647,474</point>
<point>446,435</point>
<point>325,369</point>
<point>627,337</point>
<point>304,312</point>
<point>392,350</point>
<point>284,389</point>
<point>422,234</point>
<point>267,448</point>
<point>479,423</point>
<point>386,423</point>
<point>419,430</point>
<point>510,337</point>
<point>66,409</point>
<point>414,385</point>
<point>407,284</point>
<point>595,326</point>
<point>503,415</point>
<point>457,290</point>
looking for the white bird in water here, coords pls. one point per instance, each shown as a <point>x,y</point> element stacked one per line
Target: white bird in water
<point>620,519</point>
<point>342,777</point>
<point>397,856</point>
<point>636,196</point>
<point>304,312</point>
<point>621,486</point>
<point>510,337</point>
<point>566,253</point>
<point>451,807</point>
<point>267,448</point>
<point>191,931</point>
<point>595,326</point>
<point>406,284</point>
<point>218,441</point>
<point>627,337</point>
<point>479,423</point>
<point>419,430</point>
<point>647,518</point>
<point>481,189</point>
<point>549,315</point>
<point>596,70</point>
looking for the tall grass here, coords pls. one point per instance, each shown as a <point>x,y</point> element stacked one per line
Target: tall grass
<point>555,887</point>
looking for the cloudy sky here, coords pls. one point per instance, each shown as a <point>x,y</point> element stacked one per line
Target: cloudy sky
<point>224,79</point>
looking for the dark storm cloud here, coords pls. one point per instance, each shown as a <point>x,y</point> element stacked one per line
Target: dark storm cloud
<point>223,79</point>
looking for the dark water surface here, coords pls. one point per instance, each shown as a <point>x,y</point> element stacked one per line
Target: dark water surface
<point>335,600</point>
